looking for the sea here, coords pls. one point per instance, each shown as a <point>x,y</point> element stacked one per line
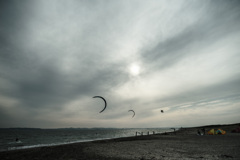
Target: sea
<point>21,138</point>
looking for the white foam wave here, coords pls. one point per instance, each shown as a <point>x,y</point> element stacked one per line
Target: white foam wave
<point>53,144</point>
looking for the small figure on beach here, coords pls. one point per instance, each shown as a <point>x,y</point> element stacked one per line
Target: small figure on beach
<point>174,130</point>
<point>17,140</point>
<point>203,130</point>
<point>199,133</point>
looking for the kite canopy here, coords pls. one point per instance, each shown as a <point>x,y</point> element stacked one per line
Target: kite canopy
<point>104,102</point>
<point>133,112</point>
<point>216,131</point>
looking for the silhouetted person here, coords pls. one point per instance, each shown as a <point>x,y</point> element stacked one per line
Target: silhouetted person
<point>203,130</point>
<point>199,133</point>
<point>174,130</point>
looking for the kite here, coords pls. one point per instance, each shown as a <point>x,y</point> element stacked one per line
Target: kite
<point>104,102</point>
<point>133,112</point>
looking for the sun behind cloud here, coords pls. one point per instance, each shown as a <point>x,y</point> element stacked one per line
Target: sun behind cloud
<point>134,69</point>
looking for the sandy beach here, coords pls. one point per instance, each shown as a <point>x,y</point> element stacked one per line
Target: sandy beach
<point>184,144</point>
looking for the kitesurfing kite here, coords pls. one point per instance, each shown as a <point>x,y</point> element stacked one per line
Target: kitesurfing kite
<point>104,102</point>
<point>133,112</point>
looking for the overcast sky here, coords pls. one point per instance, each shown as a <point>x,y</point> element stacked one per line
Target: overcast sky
<point>179,56</point>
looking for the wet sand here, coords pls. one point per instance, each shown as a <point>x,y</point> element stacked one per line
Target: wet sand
<point>185,144</point>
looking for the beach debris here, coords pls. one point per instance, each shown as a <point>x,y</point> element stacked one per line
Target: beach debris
<point>104,102</point>
<point>133,112</point>
<point>216,131</point>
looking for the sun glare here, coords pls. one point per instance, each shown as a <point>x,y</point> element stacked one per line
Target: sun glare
<point>134,69</point>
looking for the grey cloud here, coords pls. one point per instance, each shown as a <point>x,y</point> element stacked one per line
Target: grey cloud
<point>39,80</point>
<point>223,92</point>
<point>215,25</point>
<point>47,85</point>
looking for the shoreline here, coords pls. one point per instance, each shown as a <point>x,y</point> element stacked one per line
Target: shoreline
<point>21,147</point>
<point>182,144</point>
<point>73,142</point>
